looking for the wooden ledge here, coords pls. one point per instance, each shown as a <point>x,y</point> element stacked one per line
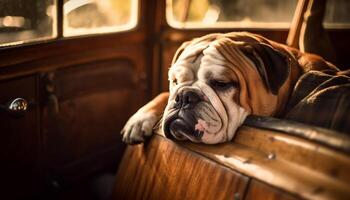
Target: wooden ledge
<point>287,165</point>
<point>295,165</point>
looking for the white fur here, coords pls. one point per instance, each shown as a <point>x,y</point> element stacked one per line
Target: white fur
<point>138,127</point>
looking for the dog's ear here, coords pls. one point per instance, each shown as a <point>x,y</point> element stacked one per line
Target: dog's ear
<point>272,65</point>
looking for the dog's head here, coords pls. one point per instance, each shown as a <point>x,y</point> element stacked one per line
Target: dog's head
<point>219,79</point>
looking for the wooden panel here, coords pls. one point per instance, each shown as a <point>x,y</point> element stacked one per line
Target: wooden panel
<point>94,102</point>
<point>162,169</point>
<point>278,169</point>
<point>297,150</point>
<point>260,191</point>
<point>101,80</point>
<point>19,142</point>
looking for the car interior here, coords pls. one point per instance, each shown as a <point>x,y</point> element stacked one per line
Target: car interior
<point>72,72</point>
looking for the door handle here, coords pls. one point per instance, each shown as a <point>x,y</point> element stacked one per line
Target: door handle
<point>16,107</point>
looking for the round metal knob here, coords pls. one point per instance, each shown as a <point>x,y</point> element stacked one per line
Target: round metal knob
<point>18,106</point>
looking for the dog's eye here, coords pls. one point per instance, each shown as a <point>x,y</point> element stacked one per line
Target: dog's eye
<point>222,85</point>
<point>174,81</point>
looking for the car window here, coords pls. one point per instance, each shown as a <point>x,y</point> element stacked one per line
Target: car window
<point>266,14</point>
<point>26,20</point>
<point>337,14</point>
<point>98,16</point>
<point>225,13</point>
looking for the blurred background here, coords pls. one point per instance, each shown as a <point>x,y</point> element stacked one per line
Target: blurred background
<point>250,13</point>
<point>30,20</point>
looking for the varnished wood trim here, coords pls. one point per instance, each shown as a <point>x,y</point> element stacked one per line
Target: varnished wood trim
<point>323,136</point>
<point>161,169</point>
<point>294,31</point>
<point>296,150</point>
<point>59,23</point>
<point>70,59</point>
<point>292,177</point>
<point>260,191</point>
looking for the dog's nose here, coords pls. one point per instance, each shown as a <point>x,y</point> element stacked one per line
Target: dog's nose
<point>187,99</point>
<point>190,97</point>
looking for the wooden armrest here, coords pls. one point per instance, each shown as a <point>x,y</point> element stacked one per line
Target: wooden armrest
<point>256,162</point>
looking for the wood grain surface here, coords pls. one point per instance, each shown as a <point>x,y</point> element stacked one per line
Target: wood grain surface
<point>295,165</point>
<point>259,191</point>
<point>20,159</point>
<point>163,170</point>
<point>262,165</point>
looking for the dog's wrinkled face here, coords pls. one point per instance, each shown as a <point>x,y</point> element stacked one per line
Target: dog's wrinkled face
<point>218,80</point>
<point>202,106</point>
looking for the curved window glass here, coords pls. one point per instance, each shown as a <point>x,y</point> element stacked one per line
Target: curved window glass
<point>82,17</point>
<point>226,13</point>
<point>26,20</point>
<point>247,13</point>
<point>337,14</point>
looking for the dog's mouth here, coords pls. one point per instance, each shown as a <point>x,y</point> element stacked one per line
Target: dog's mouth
<point>180,125</point>
<point>191,123</point>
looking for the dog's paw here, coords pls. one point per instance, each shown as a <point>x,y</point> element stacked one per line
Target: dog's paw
<point>139,126</point>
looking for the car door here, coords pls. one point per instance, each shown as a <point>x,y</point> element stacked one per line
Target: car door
<point>82,73</point>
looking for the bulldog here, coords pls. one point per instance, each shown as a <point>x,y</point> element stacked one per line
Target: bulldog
<point>216,81</point>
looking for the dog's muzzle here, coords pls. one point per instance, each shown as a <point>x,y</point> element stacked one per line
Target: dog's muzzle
<point>182,121</point>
